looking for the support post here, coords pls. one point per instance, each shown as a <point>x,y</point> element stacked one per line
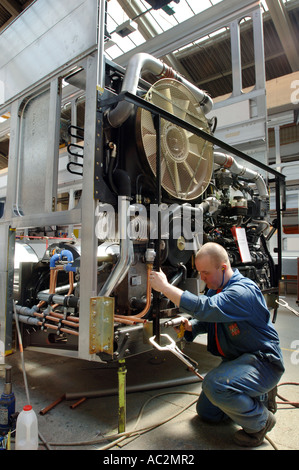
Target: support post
<point>156,295</point>
<point>122,371</point>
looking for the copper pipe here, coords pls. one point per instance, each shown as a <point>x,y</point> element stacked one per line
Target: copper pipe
<point>148,293</point>
<point>49,407</point>
<point>65,330</point>
<point>49,317</point>
<point>134,318</point>
<point>52,285</point>
<point>60,315</point>
<point>71,282</point>
<point>123,319</point>
<point>47,325</point>
<point>129,319</point>
<point>138,317</point>
<point>54,327</point>
<point>65,322</point>
<point>71,332</point>
<point>69,323</point>
<point>78,403</point>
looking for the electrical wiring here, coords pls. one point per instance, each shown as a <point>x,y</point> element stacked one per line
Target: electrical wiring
<point>284,400</point>
<point>271,443</point>
<point>143,431</point>
<point>117,438</point>
<point>21,353</point>
<point>24,370</point>
<point>121,437</point>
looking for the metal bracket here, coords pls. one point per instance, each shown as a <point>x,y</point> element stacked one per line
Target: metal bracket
<point>101,325</point>
<point>172,347</point>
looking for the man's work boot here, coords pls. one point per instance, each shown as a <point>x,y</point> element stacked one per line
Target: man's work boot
<point>272,405</point>
<point>255,439</point>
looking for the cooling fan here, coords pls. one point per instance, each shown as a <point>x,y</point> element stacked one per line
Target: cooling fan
<point>186,159</point>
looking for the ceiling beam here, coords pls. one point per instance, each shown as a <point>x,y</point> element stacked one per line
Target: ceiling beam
<point>148,31</point>
<point>199,25</point>
<point>12,7</point>
<point>285,31</point>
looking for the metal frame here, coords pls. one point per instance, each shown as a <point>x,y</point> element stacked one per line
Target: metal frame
<point>92,60</point>
<point>88,55</point>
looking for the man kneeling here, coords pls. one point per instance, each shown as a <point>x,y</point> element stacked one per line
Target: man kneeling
<point>236,319</point>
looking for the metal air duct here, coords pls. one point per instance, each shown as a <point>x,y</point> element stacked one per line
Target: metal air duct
<point>145,62</point>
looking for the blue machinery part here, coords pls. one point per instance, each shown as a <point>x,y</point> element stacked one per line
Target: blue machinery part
<point>58,257</point>
<point>7,405</point>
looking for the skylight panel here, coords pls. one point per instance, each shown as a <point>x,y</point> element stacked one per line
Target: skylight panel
<point>199,6</point>
<point>182,11</point>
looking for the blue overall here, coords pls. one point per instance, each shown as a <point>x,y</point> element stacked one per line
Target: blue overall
<point>240,331</point>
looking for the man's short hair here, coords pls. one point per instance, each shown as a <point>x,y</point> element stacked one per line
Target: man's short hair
<point>216,252</point>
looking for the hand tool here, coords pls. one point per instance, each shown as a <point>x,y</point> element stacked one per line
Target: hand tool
<point>172,347</point>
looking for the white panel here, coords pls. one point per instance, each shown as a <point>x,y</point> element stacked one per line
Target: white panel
<point>292,243</point>
<point>232,114</point>
<point>244,133</point>
<point>45,37</point>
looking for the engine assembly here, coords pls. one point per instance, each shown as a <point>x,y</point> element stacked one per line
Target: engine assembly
<point>202,195</point>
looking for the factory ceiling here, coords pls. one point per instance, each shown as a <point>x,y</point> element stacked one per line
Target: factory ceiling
<point>10,10</point>
<point>206,61</point>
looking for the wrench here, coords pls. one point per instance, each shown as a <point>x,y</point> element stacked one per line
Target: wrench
<point>283,303</point>
<point>172,347</point>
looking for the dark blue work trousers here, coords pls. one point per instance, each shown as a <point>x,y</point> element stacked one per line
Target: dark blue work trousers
<point>234,389</point>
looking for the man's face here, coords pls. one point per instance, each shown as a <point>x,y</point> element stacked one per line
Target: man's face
<point>209,272</point>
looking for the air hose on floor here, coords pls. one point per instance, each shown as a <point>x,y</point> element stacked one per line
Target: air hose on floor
<point>117,438</point>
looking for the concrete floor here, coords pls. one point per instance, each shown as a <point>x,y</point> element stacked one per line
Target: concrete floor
<point>51,377</point>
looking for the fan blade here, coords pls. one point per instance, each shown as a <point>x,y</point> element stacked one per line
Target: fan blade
<point>147,124</point>
<point>198,155</point>
<point>177,178</point>
<point>167,102</point>
<point>163,168</point>
<point>190,171</point>
<point>149,140</point>
<point>181,107</point>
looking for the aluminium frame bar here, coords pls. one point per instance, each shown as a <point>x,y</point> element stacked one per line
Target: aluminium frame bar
<point>140,102</point>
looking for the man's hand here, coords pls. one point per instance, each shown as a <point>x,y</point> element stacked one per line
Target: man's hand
<point>158,280</point>
<point>187,324</point>
<point>184,326</point>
